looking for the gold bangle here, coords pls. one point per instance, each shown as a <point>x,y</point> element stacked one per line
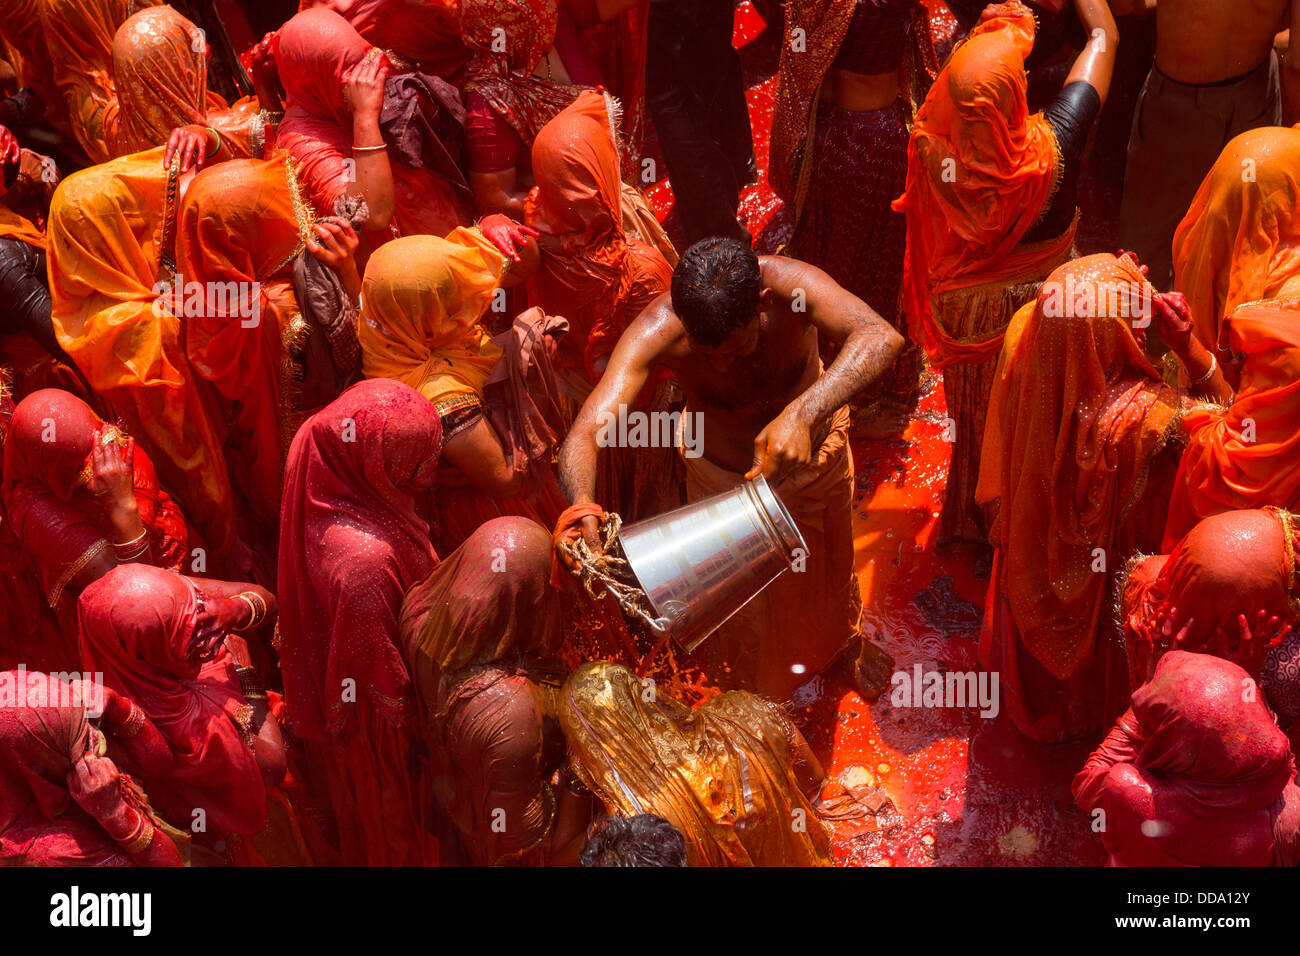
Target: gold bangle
<point>134,722</point>
<point>1209,372</point>
<point>133,542</point>
<point>254,620</point>
<point>369,149</point>
<point>139,839</point>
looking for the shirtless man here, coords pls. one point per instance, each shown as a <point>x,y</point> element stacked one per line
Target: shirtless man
<point>1216,75</point>
<point>740,334</point>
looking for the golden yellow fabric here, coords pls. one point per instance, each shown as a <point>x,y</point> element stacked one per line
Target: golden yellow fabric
<point>721,773</point>
<point>421,304</point>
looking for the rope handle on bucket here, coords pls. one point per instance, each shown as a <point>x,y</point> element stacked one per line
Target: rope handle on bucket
<point>605,570</point>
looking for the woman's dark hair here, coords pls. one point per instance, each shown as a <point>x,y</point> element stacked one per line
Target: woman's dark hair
<point>715,289</point>
<point>642,840</point>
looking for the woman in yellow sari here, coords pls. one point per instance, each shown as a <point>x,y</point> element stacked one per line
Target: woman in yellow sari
<point>425,302</point>
<point>734,776</point>
<point>111,242</point>
<point>1240,239</point>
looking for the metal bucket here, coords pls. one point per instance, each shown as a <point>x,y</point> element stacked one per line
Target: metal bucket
<point>701,564</point>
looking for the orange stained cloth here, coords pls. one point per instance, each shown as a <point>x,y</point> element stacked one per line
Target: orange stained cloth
<point>1248,455</point>
<point>1076,417</point>
<point>721,773</point>
<point>424,32</point>
<point>79,38</point>
<point>108,232</point>
<point>1240,239</point>
<point>980,172</point>
<point>15,226</point>
<point>161,82</point>
<point>238,226</point>
<point>592,273</point>
<point>22,41</point>
<point>422,301</point>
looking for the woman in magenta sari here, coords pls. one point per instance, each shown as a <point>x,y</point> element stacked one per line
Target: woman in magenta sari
<point>82,498</point>
<point>334,82</point>
<point>352,542</point>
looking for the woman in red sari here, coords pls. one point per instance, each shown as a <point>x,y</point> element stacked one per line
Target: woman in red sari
<point>206,752</point>
<point>352,543</point>
<point>81,498</point>
<point>62,802</point>
<point>421,35</point>
<point>1202,761</point>
<point>1248,454</point>
<point>334,82</point>
<point>990,207</point>
<point>1078,460</point>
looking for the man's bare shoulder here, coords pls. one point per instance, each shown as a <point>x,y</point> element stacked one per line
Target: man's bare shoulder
<point>657,332</point>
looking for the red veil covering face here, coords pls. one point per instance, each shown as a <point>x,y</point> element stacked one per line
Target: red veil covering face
<point>314,52</point>
<point>1077,416</point>
<point>504,77</point>
<point>1195,774</point>
<point>137,625</point>
<point>40,825</point>
<point>79,38</point>
<point>424,32</point>
<point>351,544</point>
<point>1237,562</point>
<point>980,171</point>
<point>160,73</point>
<point>591,274</point>
<point>1248,455</point>
<point>1240,239</point>
<point>61,524</point>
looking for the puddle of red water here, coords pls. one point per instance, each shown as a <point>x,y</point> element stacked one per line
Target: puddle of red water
<point>965,790</point>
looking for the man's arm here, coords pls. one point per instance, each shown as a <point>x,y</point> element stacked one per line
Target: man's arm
<point>868,347</point>
<point>628,371</point>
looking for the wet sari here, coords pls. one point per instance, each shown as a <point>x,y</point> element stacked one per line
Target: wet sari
<point>111,244</point>
<point>79,38</point>
<point>721,773</point>
<point>40,823</point>
<point>981,171</point>
<point>243,223</point>
<point>314,51</point>
<point>160,77</point>
<point>477,635</point>
<point>137,625</point>
<point>1245,456</point>
<point>61,525</point>
<point>352,543</point>
<point>424,304</point>
<point>422,35</point>
<point>1237,562</point>
<point>1240,239</point>
<point>1073,463</point>
<point>22,41</point>
<point>1196,773</point>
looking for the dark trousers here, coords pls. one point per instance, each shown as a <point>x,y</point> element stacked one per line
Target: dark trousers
<point>696,96</point>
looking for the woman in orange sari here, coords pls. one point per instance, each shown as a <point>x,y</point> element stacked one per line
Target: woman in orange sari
<point>79,38</point>
<point>1248,454</point>
<point>1240,239</point>
<point>1078,461</point>
<point>111,257</point>
<point>990,207</point>
<point>424,304</point>
<point>731,775</point>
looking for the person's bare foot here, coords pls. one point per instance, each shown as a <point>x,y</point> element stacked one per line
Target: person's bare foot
<point>869,669</point>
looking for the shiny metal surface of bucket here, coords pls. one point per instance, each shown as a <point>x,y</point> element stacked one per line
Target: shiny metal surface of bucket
<point>702,563</point>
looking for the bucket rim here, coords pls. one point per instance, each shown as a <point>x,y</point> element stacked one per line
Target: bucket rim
<point>776,516</point>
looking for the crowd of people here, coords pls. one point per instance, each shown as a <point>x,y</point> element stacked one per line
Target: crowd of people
<point>306,404</point>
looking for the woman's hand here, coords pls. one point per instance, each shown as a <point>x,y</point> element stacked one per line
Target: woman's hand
<point>266,74</point>
<point>112,468</point>
<point>337,248</point>
<point>363,87</point>
<point>189,145</point>
<point>217,617</point>
<point>93,783</point>
<point>507,235</point>
<point>1173,321</point>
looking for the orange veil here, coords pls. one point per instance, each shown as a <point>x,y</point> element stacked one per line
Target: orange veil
<point>1240,239</point>
<point>980,172</point>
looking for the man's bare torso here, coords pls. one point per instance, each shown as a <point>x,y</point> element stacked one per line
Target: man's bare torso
<point>1206,41</point>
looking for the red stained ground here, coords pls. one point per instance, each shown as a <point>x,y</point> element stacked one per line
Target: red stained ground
<point>960,789</point>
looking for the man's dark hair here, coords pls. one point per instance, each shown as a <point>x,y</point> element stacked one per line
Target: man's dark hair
<point>715,289</point>
<point>642,840</point>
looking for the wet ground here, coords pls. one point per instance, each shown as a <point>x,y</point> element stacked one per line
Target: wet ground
<point>934,785</point>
